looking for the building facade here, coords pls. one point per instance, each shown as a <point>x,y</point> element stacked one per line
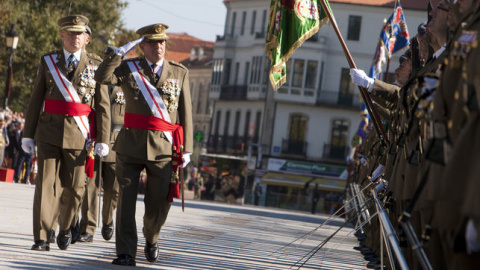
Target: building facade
<point>313,116</point>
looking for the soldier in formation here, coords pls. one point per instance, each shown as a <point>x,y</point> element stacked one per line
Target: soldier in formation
<point>430,167</point>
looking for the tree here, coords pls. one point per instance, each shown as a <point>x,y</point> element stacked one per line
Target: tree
<point>36,22</point>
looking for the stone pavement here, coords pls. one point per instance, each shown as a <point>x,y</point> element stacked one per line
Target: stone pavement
<point>208,235</point>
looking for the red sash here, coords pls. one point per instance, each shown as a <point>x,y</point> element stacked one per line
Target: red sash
<point>141,121</point>
<point>75,109</point>
<point>67,108</point>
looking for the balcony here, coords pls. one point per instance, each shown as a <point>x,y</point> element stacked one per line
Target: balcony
<point>231,145</point>
<point>293,147</point>
<point>334,98</point>
<point>233,92</point>
<point>332,152</point>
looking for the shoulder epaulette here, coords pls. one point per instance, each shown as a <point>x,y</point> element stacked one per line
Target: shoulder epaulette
<point>177,64</point>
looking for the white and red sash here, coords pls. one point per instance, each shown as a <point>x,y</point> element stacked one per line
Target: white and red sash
<point>69,93</point>
<point>151,95</point>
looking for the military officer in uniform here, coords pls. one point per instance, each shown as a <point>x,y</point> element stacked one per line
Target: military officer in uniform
<point>110,184</point>
<point>158,106</point>
<point>63,96</point>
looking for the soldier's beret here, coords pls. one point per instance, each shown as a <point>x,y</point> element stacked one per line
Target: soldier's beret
<point>73,23</point>
<point>154,31</point>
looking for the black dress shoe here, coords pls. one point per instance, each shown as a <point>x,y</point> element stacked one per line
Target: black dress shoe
<point>359,247</point>
<point>75,232</point>
<point>124,259</point>
<point>51,239</point>
<point>64,239</point>
<point>107,231</point>
<point>374,265</point>
<point>41,245</point>
<point>151,252</point>
<point>85,237</point>
<point>366,251</point>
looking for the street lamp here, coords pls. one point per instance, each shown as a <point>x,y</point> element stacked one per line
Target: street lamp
<point>12,42</point>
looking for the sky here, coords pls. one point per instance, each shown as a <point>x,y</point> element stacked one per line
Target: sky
<point>203,19</point>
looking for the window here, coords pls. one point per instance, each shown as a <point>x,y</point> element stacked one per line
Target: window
<point>207,107</point>
<point>226,127</point>
<point>244,18</point>
<point>298,128</point>
<point>354,25</point>
<point>237,70</point>
<point>217,122</point>
<point>245,74</point>
<point>237,123</point>
<point>338,143</point>
<point>217,71</point>
<point>246,129</point>
<point>199,99</point>
<point>298,71</point>
<point>345,95</point>
<point>252,27</point>
<point>258,121</point>
<point>297,133</point>
<point>232,28</point>
<point>264,20</point>
<point>226,71</point>
<point>311,78</point>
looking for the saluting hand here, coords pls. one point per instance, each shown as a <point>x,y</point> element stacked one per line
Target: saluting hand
<point>128,47</point>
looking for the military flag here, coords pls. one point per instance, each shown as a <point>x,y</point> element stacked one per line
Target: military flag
<point>291,23</point>
<point>394,34</point>
<point>378,61</point>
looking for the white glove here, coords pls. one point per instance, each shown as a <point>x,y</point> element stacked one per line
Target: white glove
<point>377,172</point>
<point>471,237</point>
<point>28,145</point>
<point>360,78</point>
<point>101,149</point>
<point>186,159</point>
<point>122,51</point>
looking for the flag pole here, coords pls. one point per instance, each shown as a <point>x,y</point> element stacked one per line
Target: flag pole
<point>365,96</point>
<point>385,78</point>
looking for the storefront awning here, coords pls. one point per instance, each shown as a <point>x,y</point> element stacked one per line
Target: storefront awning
<point>293,180</point>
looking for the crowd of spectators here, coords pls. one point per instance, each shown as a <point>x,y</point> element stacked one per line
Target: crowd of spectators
<point>12,155</point>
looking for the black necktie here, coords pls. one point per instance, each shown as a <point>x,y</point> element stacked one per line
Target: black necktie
<point>155,75</point>
<point>71,66</point>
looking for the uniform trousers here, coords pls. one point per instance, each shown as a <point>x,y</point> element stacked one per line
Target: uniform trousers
<point>57,169</point>
<point>111,188</point>
<point>159,174</point>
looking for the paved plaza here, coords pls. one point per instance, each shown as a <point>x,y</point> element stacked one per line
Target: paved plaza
<point>208,235</point>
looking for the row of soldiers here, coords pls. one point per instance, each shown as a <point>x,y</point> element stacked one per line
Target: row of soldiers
<point>428,160</point>
<point>83,106</point>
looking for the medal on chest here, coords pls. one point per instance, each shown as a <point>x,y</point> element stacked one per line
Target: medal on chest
<point>171,91</point>
<point>87,83</point>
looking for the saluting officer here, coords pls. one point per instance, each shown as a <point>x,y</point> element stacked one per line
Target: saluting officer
<point>158,106</point>
<point>57,117</point>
